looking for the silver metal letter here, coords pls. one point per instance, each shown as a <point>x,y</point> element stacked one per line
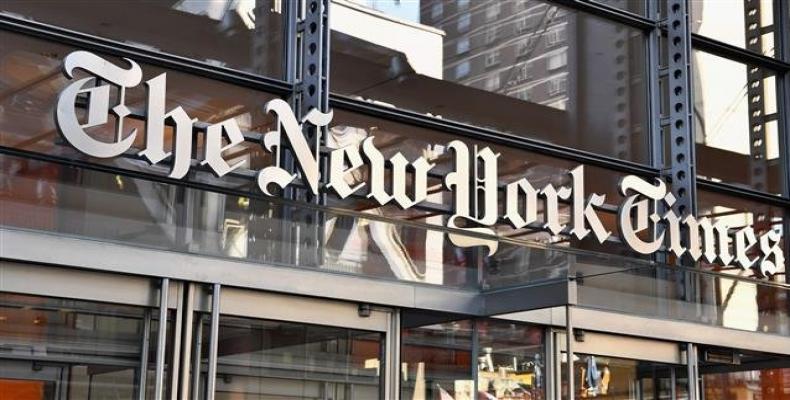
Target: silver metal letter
<point>770,245</point>
<point>155,130</point>
<point>99,97</point>
<point>513,213</point>
<point>629,230</point>
<point>584,214</point>
<point>338,170</point>
<point>213,152</point>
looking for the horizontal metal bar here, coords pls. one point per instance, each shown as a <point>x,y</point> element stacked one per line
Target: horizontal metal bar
<point>492,136</point>
<point>148,56</point>
<point>609,12</point>
<point>742,192</point>
<point>736,53</point>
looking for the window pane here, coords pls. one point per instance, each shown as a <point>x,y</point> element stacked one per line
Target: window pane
<point>525,67</point>
<point>245,35</point>
<point>436,357</point>
<point>735,115</point>
<point>753,376</point>
<point>737,213</point>
<point>634,6</point>
<point>745,24</point>
<point>31,81</point>
<point>88,350</point>
<point>511,361</point>
<point>266,359</point>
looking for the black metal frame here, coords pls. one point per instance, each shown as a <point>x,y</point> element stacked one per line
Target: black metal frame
<point>300,78</point>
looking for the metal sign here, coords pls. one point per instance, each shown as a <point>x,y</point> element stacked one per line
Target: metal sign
<point>473,182</point>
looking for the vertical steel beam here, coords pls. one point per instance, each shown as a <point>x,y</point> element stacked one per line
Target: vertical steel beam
<point>182,381</point>
<point>145,344</point>
<point>313,92</point>
<point>391,363</point>
<point>161,339</point>
<point>211,379</point>
<point>693,371</point>
<point>175,359</point>
<point>569,351</point>
<point>682,164</point>
<point>755,94</point>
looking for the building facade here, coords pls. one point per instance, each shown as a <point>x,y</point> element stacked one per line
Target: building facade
<point>395,199</point>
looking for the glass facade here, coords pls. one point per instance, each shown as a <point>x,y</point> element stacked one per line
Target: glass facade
<point>205,287</point>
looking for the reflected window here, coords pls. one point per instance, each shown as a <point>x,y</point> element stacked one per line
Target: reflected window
<point>437,351</point>
<point>265,359</point>
<point>612,378</point>
<point>729,374</point>
<point>745,24</point>
<point>603,101</point>
<point>51,346</point>
<point>736,123</point>
<point>245,35</point>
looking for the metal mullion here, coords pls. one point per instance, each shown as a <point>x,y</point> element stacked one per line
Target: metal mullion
<point>157,58</point>
<point>609,12</point>
<point>145,343</point>
<point>182,383</point>
<point>175,361</point>
<point>491,136</point>
<point>211,378</point>
<point>742,192</point>
<point>736,53</point>
<point>161,339</point>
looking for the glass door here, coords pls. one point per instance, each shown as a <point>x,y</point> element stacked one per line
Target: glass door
<point>609,367</point>
<point>272,346</point>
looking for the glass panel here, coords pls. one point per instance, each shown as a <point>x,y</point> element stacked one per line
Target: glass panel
<point>51,197</point>
<point>668,292</point>
<point>525,67</point>
<point>511,361</point>
<point>737,212</point>
<point>634,6</point>
<point>729,374</point>
<point>32,79</point>
<point>437,353</point>
<point>745,24</point>
<point>50,348</point>
<point>623,379</point>
<point>264,359</point>
<point>735,116</point>
<point>245,35</point>
<point>437,358</point>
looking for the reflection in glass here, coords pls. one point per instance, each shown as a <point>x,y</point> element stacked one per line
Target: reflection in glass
<point>526,67</point>
<point>51,347</point>
<point>736,123</point>
<point>264,359</point>
<point>611,378</point>
<point>745,24</point>
<point>729,374</point>
<point>438,351</point>
<point>245,35</point>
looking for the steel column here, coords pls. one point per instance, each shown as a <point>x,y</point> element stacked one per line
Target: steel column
<point>682,164</point>
<point>211,379</point>
<point>145,343</point>
<point>161,340</point>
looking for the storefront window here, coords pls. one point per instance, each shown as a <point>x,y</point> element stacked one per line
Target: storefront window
<point>438,355</point>
<point>746,24</point>
<point>532,69</point>
<point>52,348</point>
<point>728,374</point>
<point>265,359</point>
<point>737,123</point>
<point>602,377</point>
<point>244,35</point>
